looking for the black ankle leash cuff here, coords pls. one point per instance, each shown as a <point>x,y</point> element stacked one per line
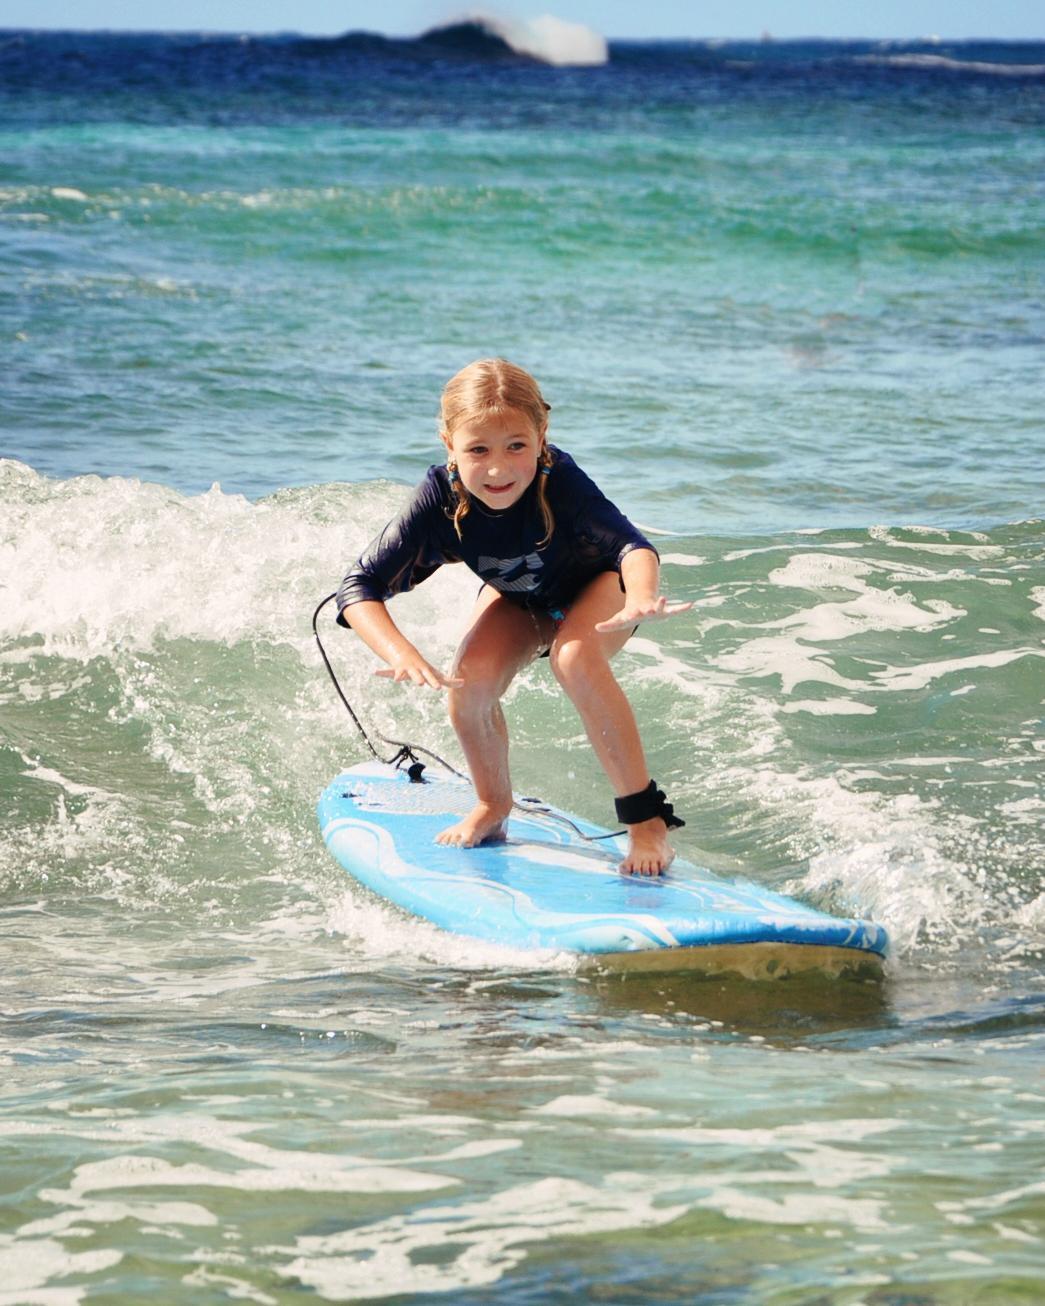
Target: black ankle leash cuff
<point>643,806</point>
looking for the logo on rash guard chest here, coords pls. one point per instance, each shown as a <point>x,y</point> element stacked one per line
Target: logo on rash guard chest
<point>514,575</point>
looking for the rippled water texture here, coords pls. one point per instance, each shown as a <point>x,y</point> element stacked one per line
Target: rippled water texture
<point>786,302</point>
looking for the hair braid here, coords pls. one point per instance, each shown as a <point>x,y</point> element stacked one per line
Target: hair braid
<point>463,507</point>
<point>544,466</point>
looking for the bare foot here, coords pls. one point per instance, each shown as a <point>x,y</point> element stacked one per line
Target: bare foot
<point>649,852</point>
<point>485,823</point>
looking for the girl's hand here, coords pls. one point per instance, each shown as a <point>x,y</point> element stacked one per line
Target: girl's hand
<point>419,672</point>
<point>635,611</point>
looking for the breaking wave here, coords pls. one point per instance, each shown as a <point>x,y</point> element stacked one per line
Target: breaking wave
<point>547,38</point>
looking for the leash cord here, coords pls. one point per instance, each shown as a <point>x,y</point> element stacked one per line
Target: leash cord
<point>408,751</point>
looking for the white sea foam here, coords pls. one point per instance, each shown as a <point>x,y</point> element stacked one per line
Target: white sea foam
<point>814,1160</point>
<point>585,1105</point>
<point>471,1244</point>
<point>115,570</point>
<point>88,831</point>
<point>737,555</point>
<point>786,658</point>
<point>918,677</point>
<point>49,776</point>
<point>663,668</point>
<point>873,854</point>
<point>85,1211</point>
<point>550,39</point>
<point>798,1208</point>
<point>29,1265</point>
<point>95,565</point>
<point>798,657</point>
<point>979,552</point>
<point>892,867</point>
<point>439,1126</point>
<point>266,1168</point>
<point>459,1246</point>
<point>33,1255</point>
<point>872,609</point>
<point>388,935</point>
<point>683,559</point>
<point>1032,914</point>
<point>830,707</point>
<point>647,529</point>
<point>810,1135</point>
<point>225,1286</point>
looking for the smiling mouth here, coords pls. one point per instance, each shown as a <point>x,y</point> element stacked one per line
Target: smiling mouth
<point>498,489</point>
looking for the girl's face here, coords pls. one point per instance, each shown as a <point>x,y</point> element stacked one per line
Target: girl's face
<point>497,457</point>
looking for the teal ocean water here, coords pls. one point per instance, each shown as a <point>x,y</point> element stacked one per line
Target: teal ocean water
<point>786,302</point>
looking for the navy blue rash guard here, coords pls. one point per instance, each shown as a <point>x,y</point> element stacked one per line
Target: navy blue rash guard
<point>502,546</point>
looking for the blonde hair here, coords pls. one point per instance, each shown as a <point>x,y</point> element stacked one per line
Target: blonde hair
<point>486,388</point>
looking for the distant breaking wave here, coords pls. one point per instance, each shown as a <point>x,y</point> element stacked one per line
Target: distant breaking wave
<point>476,37</point>
<point>940,61</point>
<point>549,39</point>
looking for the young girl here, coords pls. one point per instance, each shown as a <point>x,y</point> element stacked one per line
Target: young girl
<point>565,575</point>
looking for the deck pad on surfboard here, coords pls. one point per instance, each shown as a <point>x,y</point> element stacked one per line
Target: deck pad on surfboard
<point>547,888</point>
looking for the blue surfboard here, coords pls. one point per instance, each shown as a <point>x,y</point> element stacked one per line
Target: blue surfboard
<point>549,888</point>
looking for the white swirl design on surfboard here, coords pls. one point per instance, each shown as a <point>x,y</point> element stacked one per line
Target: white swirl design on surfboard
<point>545,887</point>
<point>357,839</point>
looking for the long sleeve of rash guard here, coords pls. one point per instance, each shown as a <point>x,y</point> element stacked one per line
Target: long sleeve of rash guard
<point>409,549</point>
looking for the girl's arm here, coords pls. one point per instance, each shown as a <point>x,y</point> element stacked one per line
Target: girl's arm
<point>371,622</point>
<point>640,574</point>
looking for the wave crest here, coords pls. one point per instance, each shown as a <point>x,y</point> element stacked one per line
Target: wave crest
<point>937,62</point>
<point>548,39</point>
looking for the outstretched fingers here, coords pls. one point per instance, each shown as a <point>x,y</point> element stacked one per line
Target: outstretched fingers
<point>425,675</point>
<point>634,615</point>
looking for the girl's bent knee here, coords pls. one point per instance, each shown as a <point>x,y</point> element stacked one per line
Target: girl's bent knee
<point>577,662</point>
<point>474,697</point>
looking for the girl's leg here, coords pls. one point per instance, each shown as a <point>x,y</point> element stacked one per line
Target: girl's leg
<point>580,658</point>
<point>501,640</point>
